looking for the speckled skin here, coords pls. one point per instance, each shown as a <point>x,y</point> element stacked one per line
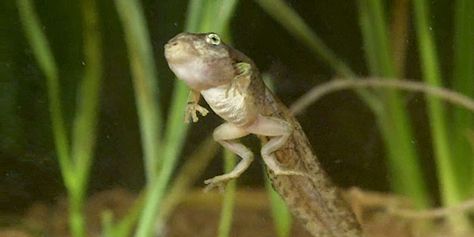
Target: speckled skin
<point>314,199</point>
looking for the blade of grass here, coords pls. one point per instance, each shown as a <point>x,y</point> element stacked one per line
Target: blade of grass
<point>280,213</point>
<point>436,111</point>
<point>228,203</point>
<point>173,141</point>
<point>143,68</point>
<point>225,11</point>
<point>217,9</point>
<point>174,135</point>
<point>75,172</point>
<point>375,31</point>
<point>85,121</point>
<point>449,186</point>
<point>42,53</point>
<point>406,173</point>
<point>188,174</point>
<point>463,81</point>
<point>144,82</point>
<point>194,15</point>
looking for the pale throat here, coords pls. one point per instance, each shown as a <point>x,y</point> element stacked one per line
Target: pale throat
<point>195,73</point>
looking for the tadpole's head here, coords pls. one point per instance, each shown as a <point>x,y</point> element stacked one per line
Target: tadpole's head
<point>202,60</point>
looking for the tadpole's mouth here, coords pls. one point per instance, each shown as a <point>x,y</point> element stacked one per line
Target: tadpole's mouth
<point>172,50</point>
<point>178,51</point>
<point>171,44</point>
<point>175,41</point>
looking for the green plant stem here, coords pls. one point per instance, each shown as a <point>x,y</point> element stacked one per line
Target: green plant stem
<point>280,213</point>
<point>188,174</point>
<point>144,76</point>
<point>175,133</point>
<point>463,81</point>
<point>77,224</point>
<point>225,222</point>
<point>45,60</point>
<point>84,127</point>
<point>75,171</point>
<point>225,11</point>
<point>406,173</point>
<point>195,14</point>
<point>174,140</point>
<point>449,188</point>
<point>144,82</point>
<point>436,111</point>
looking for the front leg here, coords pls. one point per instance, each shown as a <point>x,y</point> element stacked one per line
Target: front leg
<point>279,131</point>
<point>226,134</point>
<point>242,79</point>
<point>193,106</point>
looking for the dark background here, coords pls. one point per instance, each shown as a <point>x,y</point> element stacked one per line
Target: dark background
<point>340,127</point>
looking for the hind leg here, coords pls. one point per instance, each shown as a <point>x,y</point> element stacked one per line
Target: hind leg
<point>279,131</point>
<point>226,134</point>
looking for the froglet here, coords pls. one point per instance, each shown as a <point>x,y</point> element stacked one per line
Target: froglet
<point>230,83</point>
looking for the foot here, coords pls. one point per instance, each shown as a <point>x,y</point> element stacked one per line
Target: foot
<point>218,182</point>
<point>191,112</point>
<point>282,172</point>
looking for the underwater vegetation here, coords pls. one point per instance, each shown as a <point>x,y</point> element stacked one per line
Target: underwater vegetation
<point>89,104</point>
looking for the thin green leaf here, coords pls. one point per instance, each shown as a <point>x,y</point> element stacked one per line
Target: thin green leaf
<point>228,203</point>
<point>144,81</point>
<point>463,81</point>
<point>436,110</point>
<point>406,173</point>
<point>280,212</point>
<point>46,62</point>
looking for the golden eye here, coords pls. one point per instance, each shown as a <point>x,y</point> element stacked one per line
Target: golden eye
<point>213,39</point>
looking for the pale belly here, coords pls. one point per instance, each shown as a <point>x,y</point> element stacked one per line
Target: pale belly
<point>233,107</point>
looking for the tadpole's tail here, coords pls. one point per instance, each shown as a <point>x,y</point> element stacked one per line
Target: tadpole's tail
<point>316,201</point>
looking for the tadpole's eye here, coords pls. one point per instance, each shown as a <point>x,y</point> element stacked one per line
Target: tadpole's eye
<point>213,39</point>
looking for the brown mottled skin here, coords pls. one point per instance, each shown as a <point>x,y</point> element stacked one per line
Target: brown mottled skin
<point>231,84</point>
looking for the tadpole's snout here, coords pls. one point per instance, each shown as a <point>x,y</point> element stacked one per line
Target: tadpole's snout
<point>181,50</point>
<point>172,43</point>
<point>175,41</point>
<point>173,49</point>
